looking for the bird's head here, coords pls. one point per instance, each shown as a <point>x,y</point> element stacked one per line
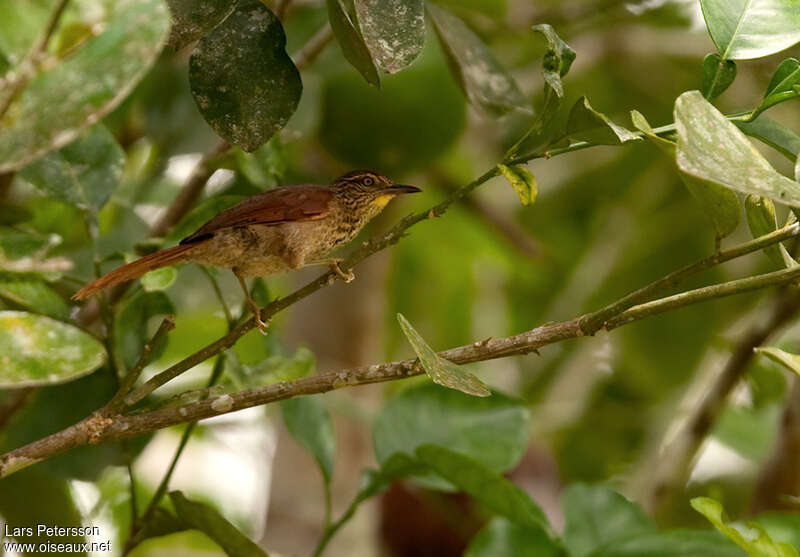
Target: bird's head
<point>369,189</point>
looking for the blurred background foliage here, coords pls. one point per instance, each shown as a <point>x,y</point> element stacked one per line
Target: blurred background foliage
<point>606,221</point>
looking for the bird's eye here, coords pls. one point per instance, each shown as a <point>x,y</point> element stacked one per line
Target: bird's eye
<point>367,181</point>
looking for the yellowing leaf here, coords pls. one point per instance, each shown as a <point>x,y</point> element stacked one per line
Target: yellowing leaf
<point>522,180</point>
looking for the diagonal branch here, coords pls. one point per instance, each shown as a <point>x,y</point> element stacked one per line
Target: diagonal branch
<point>100,428</point>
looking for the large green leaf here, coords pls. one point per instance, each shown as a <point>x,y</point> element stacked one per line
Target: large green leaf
<point>493,430</point>
<point>503,538</point>
<point>242,80</point>
<point>484,81</point>
<point>440,370</point>
<point>191,19</point>
<point>756,542</point>
<point>36,350</point>
<point>492,490</point>
<point>676,543</point>
<point>745,29</point>
<point>310,424</point>
<point>205,518</point>
<point>84,173</point>
<point>393,30</point>
<point>73,94</point>
<point>713,149</point>
<point>348,35</point>
<point>596,515</point>
<point>33,294</point>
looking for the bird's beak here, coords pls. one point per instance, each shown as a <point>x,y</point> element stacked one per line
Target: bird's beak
<point>398,189</point>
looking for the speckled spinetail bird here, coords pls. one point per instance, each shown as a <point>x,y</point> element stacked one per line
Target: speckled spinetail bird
<point>279,230</point>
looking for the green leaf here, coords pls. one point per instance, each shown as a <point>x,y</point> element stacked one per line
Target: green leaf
<point>555,64</point>
<point>784,78</point>
<point>761,219</point>
<point>242,80</point>
<point>493,430</point>
<point>37,350</point>
<point>308,421</point>
<point>746,29</point>
<point>756,542</point>
<point>205,518</point>
<point>393,30</point>
<point>440,370</point>
<point>596,515</point>
<point>65,99</point>
<point>186,542</point>
<point>84,173</point>
<point>791,361</point>
<point>160,279</point>
<point>675,543</point>
<point>557,60</point>
<point>522,180</point>
<point>776,135</point>
<point>502,538</point>
<point>191,19</point>
<point>718,75</point>
<point>484,485</point>
<point>713,149</point>
<point>481,77</point>
<point>130,331</point>
<point>33,294</point>
<point>345,29</point>
<point>586,124</point>
<point>641,124</point>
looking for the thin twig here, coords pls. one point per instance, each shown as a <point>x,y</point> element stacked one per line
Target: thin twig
<point>139,525</point>
<point>117,402</point>
<point>313,48</point>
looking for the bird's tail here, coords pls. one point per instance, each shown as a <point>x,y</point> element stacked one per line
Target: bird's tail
<point>133,270</point>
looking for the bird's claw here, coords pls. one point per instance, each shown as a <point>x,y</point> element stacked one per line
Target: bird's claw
<point>345,276</point>
<point>262,325</point>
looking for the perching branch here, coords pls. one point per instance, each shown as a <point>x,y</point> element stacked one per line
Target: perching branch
<point>100,428</point>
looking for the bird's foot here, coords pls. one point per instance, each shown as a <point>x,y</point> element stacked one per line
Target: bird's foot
<point>345,276</point>
<point>262,325</point>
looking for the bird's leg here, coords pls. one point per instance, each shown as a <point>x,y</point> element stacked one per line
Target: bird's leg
<point>261,324</point>
<point>333,263</point>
